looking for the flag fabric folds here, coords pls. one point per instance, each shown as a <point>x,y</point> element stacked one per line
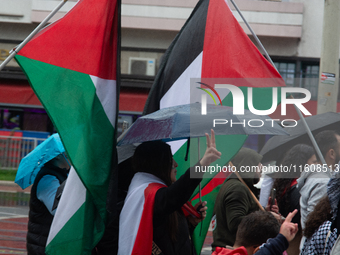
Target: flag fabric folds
<point>211,44</point>
<point>72,67</point>
<point>136,220</point>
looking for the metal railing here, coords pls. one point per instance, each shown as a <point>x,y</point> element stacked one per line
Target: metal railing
<point>13,149</point>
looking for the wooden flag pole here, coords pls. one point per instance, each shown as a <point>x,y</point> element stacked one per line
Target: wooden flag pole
<point>316,147</point>
<point>31,35</point>
<point>241,180</point>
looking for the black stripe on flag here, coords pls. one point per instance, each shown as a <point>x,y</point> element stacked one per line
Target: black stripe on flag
<point>183,50</point>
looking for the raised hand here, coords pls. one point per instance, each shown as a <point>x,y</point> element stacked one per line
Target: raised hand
<point>289,229</point>
<point>211,154</point>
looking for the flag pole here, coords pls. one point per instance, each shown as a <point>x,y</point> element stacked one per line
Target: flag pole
<point>31,35</point>
<point>199,155</point>
<point>316,147</point>
<point>251,193</point>
<point>253,33</point>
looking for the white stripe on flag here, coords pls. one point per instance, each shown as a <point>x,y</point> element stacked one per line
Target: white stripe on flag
<point>132,211</point>
<point>106,92</point>
<point>179,93</point>
<point>74,195</point>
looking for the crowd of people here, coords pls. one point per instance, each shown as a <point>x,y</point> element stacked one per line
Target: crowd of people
<point>155,216</point>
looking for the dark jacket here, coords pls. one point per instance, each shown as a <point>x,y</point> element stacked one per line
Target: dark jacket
<point>40,219</point>
<point>167,201</point>
<point>233,203</point>
<point>273,246</point>
<point>234,200</point>
<point>293,203</point>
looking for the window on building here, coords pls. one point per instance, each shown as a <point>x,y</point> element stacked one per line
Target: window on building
<point>310,78</point>
<point>287,71</point>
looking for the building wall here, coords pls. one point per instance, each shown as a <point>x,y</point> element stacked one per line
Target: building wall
<point>290,28</point>
<point>310,43</point>
<point>290,31</point>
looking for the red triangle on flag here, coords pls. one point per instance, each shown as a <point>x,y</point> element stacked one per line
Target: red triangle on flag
<point>228,52</point>
<point>80,42</point>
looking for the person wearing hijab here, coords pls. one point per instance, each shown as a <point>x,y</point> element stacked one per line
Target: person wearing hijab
<point>153,218</point>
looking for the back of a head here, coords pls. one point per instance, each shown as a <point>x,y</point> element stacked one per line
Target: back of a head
<point>326,140</point>
<point>298,155</point>
<point>322,212</point>
<point>246,162</point>
<point>246,157</point>
<point>155,158</point>
<point>256,228</point>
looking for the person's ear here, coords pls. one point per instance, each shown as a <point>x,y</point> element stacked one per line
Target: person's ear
<point>331,153</point>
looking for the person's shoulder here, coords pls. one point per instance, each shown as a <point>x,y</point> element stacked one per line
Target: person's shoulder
<point>234,184</point>
<point>235,190</point>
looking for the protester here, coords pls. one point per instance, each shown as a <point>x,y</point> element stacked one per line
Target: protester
<point>44,194</point>
<point>234,200</point>
<point>323,224</point>
<point>318,227</point>
<point>268,181</point>
<point>287,194</point>
<point>260,233</point>
<point>333,193</point>
<point>313,181</point>
<point>151,219</point>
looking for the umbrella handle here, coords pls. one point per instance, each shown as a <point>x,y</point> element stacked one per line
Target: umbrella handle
<point>241,180</point>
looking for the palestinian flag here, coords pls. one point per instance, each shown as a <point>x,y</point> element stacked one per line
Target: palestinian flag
<point>136,218</point>
<point>72,66</point>
<point>211,45</point>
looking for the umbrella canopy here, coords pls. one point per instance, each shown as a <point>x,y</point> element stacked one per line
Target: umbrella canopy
<point>276,146</point>
<point>184,121</point>
<point>31,164</point>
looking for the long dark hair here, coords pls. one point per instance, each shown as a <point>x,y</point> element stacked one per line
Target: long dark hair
<point>322,212</point>
<point>155,158</point>
<point>298,156</point>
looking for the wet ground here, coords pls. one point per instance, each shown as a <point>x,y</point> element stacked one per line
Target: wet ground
<point>13,228</point>
<point>14,217</point>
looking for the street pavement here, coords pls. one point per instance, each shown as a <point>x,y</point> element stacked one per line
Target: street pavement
<point>13,228</point>
<point>14,217</point>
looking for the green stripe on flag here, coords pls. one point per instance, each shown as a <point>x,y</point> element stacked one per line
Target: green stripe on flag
<point>85,130</point>
<point>68,240</point>
<point>202,228</point>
